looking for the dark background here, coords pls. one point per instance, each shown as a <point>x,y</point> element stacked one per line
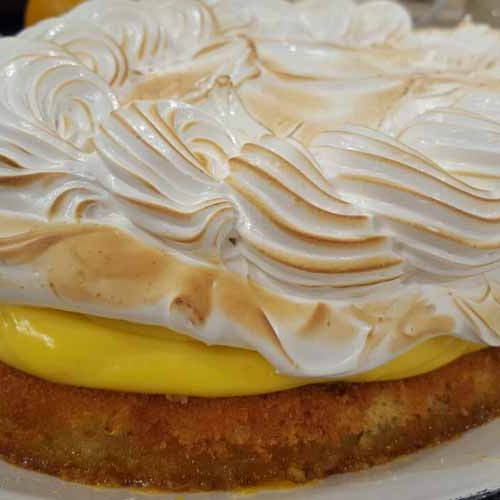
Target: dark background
<point>11,16</point>
<point>11,21</point>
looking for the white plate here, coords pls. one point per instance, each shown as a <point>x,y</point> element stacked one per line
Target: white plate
<point>458,469</point>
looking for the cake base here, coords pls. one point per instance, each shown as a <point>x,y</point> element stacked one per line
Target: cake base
<point>173,443</point>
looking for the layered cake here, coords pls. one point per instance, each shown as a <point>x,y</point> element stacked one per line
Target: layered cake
<point>245,242</point>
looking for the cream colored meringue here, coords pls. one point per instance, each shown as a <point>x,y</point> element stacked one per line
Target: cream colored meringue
<point>316,181</point>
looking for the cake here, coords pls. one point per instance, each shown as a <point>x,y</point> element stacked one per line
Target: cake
<point>245,242</point>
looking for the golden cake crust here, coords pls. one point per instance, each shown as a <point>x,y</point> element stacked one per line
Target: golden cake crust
<point>175,443</point>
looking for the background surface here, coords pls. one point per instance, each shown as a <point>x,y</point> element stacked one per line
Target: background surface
<point>11,15</point>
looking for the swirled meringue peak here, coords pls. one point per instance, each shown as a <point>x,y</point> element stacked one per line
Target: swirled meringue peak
<point>315,181</point>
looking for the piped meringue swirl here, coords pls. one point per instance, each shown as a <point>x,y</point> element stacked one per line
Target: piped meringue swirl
<point>441,225</point>
<point>160,184</point>
<point>296,229</point>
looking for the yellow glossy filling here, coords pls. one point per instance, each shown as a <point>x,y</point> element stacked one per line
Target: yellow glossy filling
<point>98,353</point>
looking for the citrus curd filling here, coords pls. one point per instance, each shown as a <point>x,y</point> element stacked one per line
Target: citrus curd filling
<point>99,353</point>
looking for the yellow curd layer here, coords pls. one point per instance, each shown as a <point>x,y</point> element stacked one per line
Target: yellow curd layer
<point>108,354</point>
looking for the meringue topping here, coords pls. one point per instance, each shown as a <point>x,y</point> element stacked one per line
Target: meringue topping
<point>325,192</point>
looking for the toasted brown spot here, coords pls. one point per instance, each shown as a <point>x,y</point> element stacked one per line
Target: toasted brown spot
<point>8,161</point>
<point>59,202</point>
<point>195,302</point>
<point>105,267</point>
<point>281,109</point>
<point>404,319</point>
<point>310,320</point>
<point>311,264</point>
<point>422,320</point>
<point>287,108</point>
<point>325,321</point>
<point>16,181</point>
<point>170,86</point>
<point>26,246</point>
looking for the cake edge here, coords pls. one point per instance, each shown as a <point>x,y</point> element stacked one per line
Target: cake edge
<point>118,439</point>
